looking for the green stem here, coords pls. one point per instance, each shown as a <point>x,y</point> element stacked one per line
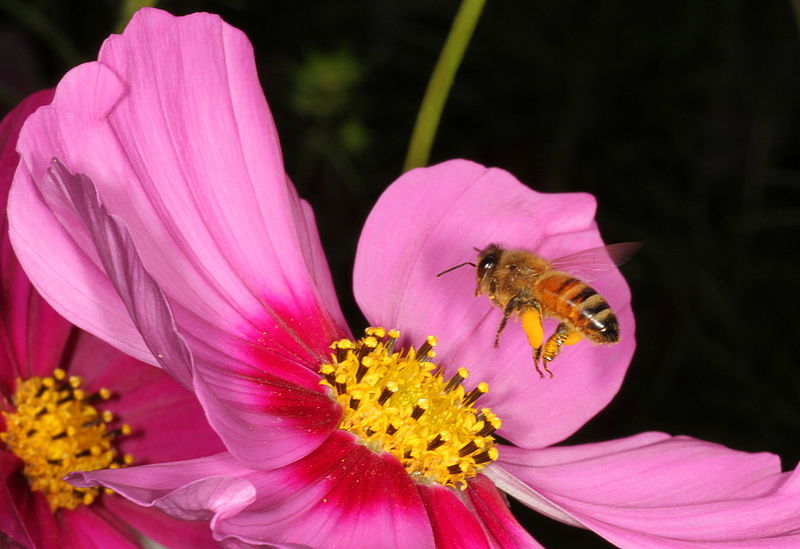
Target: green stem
<point>129,7</point>
<point>430,112</point>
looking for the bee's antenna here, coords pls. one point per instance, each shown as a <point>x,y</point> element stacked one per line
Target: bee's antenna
<point>476,249</point>
<point>456,267</point>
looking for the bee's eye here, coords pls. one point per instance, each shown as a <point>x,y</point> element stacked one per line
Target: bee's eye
<point>484,266</point>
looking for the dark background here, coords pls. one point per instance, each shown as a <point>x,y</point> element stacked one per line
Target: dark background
<point>680,117</point>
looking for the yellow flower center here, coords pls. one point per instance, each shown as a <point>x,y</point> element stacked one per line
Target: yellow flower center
<point>397,401</point>
<point>55,430</point>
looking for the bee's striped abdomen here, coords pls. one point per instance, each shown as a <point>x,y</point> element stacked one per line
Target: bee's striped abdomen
<point>564,296</point>
<point>599,319</point>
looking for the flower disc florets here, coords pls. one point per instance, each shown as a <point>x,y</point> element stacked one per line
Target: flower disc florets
<point>54,430</point>
<point>397,401</point>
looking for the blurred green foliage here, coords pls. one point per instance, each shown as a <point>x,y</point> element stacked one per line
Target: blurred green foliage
<point>681,117</point>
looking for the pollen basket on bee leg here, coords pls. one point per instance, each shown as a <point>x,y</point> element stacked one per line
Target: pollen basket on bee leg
<point>532,326</point>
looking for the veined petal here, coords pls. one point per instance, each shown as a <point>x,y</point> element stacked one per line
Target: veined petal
<point>23,311</point>
<point>264,419</point>
<point>491,506</point>
<point>167,420</point>
<point>652,490</point>
<point>143,298</point>
<point>40,524</point>
<point>342,495</point>
<point>173,128</point>
<point>454,526</point>
<point>84,528</point>
<point>85,295</point>
<point>12,527</point>
<point>206,488</point>
<point>172,533</point>
<point>429,220</point>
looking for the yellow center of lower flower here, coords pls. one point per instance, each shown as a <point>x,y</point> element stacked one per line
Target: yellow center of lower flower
<point>55,430</point>
<point>398,401</point>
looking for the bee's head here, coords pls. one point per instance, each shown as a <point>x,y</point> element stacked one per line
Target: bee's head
<point>487,260</point>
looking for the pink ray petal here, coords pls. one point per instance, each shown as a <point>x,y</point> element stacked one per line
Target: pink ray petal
<point>342,495</point>
<point>454,526</point>
<point>91,300</point>
<point>143,298</point>
<point>12,526</point>
<point>84,528</point>
<point>41,525</point>
<point>172,126</point>
<point>167,420</point>
<point>264,419</point>
<point>652,490</point>
<point>208,488</point>
<point>233,543</point>
<point>429,220</point>
<point>23,311</point>
<point>492,507</point>
<point>157,526</point>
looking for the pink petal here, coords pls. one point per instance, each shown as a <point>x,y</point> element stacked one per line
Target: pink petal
<point>9,132</point>
<point>12,527</point>
<point>24,312</point>
<point>85,295</point>
<point>207,488</point>
<point>264,419</point>
<point>454,526</point>
<point>171,113</point>
<point>40,523</point>
<point>340,496</point>
<point>172,126</point>
<point>157,526</point>
<point>652,490</point>
<point>84,528</point>
<point>211,125</point>
<point>167,420</point>
<point>492,508</point>
<point>143,298</point>
<point>429,220</point>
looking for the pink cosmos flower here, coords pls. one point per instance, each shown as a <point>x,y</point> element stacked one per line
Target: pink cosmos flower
<point>168,227</point>
<point>56,384</point>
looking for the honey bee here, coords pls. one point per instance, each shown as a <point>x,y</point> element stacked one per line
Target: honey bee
<point>531,287</point>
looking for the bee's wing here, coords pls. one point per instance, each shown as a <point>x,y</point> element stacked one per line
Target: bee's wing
<point>593,263</point>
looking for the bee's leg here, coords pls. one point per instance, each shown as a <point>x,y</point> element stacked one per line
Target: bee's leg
<point>512,305</point>
<point>506,316</point>
<point>537,355</point>
<point>515,304</point>
<point>572,338</point>
<point>553,345</point>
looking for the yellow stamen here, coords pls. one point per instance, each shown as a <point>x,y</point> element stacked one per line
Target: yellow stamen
<point>399,402</point>
<point>55,430</point>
